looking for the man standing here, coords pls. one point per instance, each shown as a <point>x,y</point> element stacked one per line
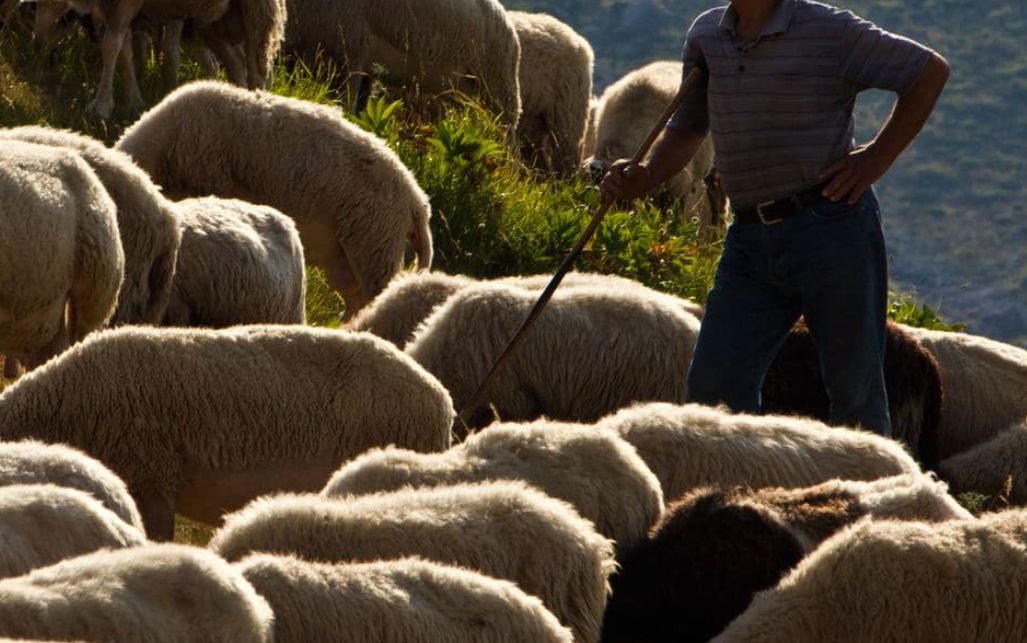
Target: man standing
<point>780,83</point>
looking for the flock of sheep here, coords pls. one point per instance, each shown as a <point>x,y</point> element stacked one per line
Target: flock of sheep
<point>152,313</point>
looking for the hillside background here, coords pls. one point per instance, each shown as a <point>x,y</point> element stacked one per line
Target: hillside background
<point>954,203</point>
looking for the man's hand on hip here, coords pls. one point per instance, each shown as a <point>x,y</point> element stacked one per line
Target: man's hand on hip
<point>853,174</point>
<point>625,180</point>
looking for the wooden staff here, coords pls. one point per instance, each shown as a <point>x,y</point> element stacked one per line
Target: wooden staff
<point>572,256</point>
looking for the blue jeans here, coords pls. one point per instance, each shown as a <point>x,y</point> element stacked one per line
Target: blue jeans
<point>827,263</point>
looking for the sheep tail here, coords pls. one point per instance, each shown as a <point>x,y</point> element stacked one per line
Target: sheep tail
<point>927,445</point>
<point>420,239</point>
<point>264,26</point>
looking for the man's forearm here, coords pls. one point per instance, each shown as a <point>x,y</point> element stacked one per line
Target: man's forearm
<point>671,153</point>
<point>912,110</point>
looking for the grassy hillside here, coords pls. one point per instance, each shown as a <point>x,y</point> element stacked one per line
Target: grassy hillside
<point>491,216</point>
<point>957,229</point>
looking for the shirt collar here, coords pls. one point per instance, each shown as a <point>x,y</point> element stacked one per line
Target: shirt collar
<point>778,22</point>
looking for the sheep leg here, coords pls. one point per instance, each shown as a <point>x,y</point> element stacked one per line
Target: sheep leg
<point>340,276</point>
<point>128,76</point>
<point>208,62</point>
<point>231,59</point>
<point>158,515</point>
<point>113,41</point>
<point>170,53</point>
<point>12,368</point>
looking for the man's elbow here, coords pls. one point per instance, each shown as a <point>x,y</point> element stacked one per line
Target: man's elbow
<point>938,69</point>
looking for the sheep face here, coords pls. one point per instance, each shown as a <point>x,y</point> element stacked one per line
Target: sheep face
<point>698,570</point>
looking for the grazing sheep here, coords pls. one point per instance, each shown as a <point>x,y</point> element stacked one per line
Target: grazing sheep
<point>987,467</point>
<point>62,264</point>
<point>596,472</point>
<point>627,111</point>
<point>361,602</point>
<point>160,593</point>
<point>794,385</point>
<point>258,24</point>
<point>467,43</point>
<point>592,350</point>
<point>358,204</point>
<point>239,264</point>
<point>148,228</point>
<point>693,445</point>
<point>410,298</point>
<point>556,85</point>
<point>41,524</point>
<point>502,529</point>
<point>31,462</point>
<point>985,385</point>
<point>900,581</point>
<point>213,419</point>
<point>714,549</point>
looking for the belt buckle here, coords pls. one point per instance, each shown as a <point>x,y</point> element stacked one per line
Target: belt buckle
<point>763,219</point>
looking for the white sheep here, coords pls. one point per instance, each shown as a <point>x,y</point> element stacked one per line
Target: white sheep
<point>503,529</point>
<point>985,384</point>
<point>627,110</point>
<point>258,25</point>
<point>592,350</point>
<point>62,263</point>
<point>355,205</point>
<point>900,581</point>
<point>148,228</point>
<point>32,462</point>
<point>469,44</point>
<point>41,524</point>
<point>692,445</point>
<point>410,298</point>
<point>987,467</point>
<point>556,85</point>
<point>203,421</point>
<point>159,593</point>
<point>240,264</point>
<point>596,472</point>
<point>360,602</point>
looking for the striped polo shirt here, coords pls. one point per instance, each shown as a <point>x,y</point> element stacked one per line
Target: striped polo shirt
<point>779,108</point>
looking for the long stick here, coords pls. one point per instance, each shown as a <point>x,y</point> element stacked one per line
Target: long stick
<point>572,256</point>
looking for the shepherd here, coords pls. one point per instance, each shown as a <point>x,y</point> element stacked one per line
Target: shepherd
<point>779,85</point>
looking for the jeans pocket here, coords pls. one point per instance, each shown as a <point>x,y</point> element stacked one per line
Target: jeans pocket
<point>826,209</point>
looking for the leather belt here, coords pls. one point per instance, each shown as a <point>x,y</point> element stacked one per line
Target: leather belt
<point>771,212</point>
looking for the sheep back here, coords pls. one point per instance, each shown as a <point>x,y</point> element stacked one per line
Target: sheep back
<point>358,204</point>
<point>151,592</point>
<point>988,467</point>
<point>888,580</point>
<point>691,445</point>
<point>985,385</point>
<point>371,602</point>
<point>240,264</point>
<point>556,85</point>
<point>32,462</point>
<point>596,472</point>
<point>502,529</point>
<point>590,352</point>
<point>43,524</point>
<point>147,227</point>
<point>278,406</point>
<point>53,206</point>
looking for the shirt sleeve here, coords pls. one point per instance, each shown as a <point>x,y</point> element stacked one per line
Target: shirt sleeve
<point>871,57</point>
<point>693,115</point>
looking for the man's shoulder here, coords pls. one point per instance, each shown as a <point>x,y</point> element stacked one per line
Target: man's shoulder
<point>708,21</point>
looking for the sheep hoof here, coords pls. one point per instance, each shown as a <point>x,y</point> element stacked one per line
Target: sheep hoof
<point>102,107</point>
